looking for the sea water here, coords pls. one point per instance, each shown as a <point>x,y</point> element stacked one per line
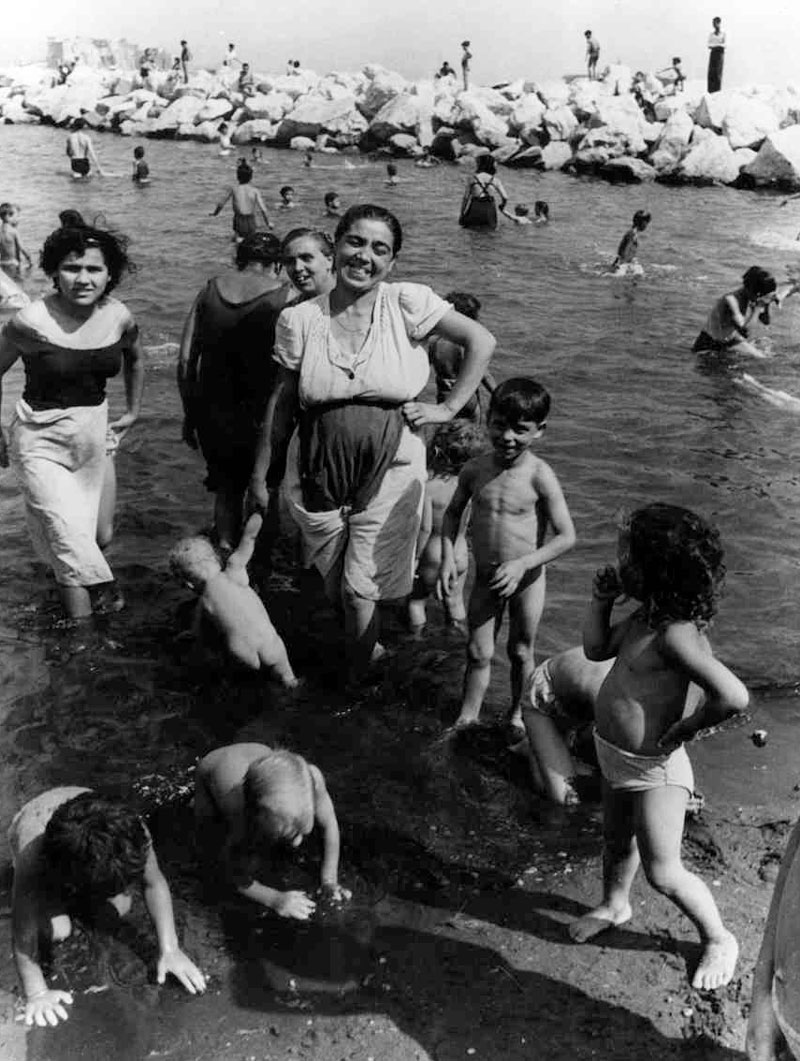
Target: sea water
<point>636,416</point>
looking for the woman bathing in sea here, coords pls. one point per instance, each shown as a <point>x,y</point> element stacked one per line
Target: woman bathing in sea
<point>478,207</point>
<point>726,328</point>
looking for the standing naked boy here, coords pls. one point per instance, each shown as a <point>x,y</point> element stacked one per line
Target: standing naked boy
<point>514,495</point>
<point>246,200</point>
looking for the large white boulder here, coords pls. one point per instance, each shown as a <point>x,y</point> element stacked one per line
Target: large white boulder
<point>711,160</point>
<point>526,117</point>
<point>15,114</point>
<point>744,156</point>
<point>273,107</point>
<point>380,86</point>
<point>616,120</point>
<point>584,95</point>
<point>778,159</point>
<point>214,110</point>
<point>400,114</point>
<point>748,121</point>
<point>181,111</point>
<point>669,105</point>
<point>301,143</point>
<point>556,155</point>
<point>315,116</point>
<point>676,134</point>
<point>711,110</point>
<point>618,78</point>
<point>257,130</point>
<point>496,102</point>
<point>627,171</point>
<point>560,122</point>
<point>471,113</point>
<point>553,93</point>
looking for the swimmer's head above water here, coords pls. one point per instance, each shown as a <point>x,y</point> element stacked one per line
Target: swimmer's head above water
<point>641,219</point>
<point>244,171</point>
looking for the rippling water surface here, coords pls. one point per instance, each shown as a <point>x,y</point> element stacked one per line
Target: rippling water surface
<point>635,416</point>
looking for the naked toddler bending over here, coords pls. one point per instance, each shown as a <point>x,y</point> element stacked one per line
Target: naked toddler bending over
<point>515,498</point>
<point>228,601</point>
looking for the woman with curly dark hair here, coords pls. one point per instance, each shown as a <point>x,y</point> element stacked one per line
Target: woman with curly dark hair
<point>60,442</point>
<point>671,562</point>
<point>73,851</point>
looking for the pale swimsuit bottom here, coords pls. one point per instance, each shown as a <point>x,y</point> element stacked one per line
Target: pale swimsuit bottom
<point>627,772</point>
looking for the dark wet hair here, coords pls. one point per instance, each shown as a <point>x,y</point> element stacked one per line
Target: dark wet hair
<point>391,169</point>
<point>464,303</point>
<point>78,124</point>
<point>286,188</point>
<point>641,219</point>
<point>94,848</point>
<point>71,219</point>
<point>6,209</point>
<point>587,33</point>
<point>244,171</point>
<point>677,558</point>
<point>676,59</point>
<point>79,239</point>
<point>453,444</point>
<point>323,240</point>
<point>715,20</point>
<point>260,247</point>
<point>541,208</point>
<point>758,282</point>
<point>370,212</point>
<point>138,152</point>
<point>486,164</point>
<point>520,398</point>
<point>330,196</point>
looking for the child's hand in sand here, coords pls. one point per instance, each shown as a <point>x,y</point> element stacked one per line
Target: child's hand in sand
<point>606,585</point>
<point>294,904</point>
<point>46,1008</point>
<point>182,968</point>
<point>334,893</point>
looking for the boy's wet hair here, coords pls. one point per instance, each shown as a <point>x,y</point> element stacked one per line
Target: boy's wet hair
<point>541,208</point>
<point>677,559</point>
<point>758,282</point>
<point>244,171</point>
<point>6,210</point>
<point>323,240</point>
<point>486,164</point>
<point>464,303</point>
<point>641,218</point>
<point>77,239</point>
<point>453,444</point>
<point>279,790</point>
<point>94,848</point>
<point>520,399</point>
<point>71,219</point>
<point>331,197</point>
<point>261,247</point>
<point>138,152</point>
<point>189,554</point>
<point>371,212</point>
<point>286,188</point>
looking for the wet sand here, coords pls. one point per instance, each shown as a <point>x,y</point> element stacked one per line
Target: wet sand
<point>454,944</point>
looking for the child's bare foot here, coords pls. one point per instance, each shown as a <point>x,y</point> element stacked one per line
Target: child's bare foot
<point>717,963</point>
<point>599,920</point>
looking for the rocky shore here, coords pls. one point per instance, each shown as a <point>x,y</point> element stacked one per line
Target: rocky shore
<point>747,137</point>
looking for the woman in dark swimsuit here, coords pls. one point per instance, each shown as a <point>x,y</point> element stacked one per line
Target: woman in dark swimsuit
<point>478,208</point>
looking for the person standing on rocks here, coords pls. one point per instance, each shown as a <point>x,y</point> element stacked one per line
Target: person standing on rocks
<point>716,55</point>
<point>186,58</point>
<point>465,58</point>
<point>592,54</point>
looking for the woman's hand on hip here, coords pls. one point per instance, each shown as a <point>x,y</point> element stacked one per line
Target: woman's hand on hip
<point>419,413</point>
<point>123,425</point>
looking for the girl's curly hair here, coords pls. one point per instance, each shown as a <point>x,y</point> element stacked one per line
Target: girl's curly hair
<point>77,240</point>
<point>678,558</point>
<point>453,444</point>
<point>94,848</point>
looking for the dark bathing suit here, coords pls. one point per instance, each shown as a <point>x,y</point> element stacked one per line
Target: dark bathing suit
<point>244,224</point>
<point>80,166</point>
<point>480,210</point>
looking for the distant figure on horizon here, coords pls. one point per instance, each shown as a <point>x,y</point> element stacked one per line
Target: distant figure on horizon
<point>466,55</point>
<point>80,151</point>
<point>245,201</point>
<point>592,54</point>
<point>186,58</point>
<point>716,55</point>
<point>445,70</point>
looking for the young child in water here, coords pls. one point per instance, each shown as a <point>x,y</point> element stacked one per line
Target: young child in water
<point>541,212</point>
<point>726,327</point>
<point>670,560</point>
<point>391,175</point>
<point>333,205</point>
<point>224,132</point>
<point>520,215</point>
<point>449,449</point>
<point>774,1020</point>
<point>254,796</point>
<point>515,498</point>
<point>141,171</point>
<point>447,357</point>
<point>288,198</point>
<point>629,244</point>
<point>11,249</point>
<point>229,602</point>
<point>72,851</point>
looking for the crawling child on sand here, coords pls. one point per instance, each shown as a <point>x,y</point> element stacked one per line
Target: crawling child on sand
<point>515,498</point>
<point>451,447</point>
<point>670,561</point>
<point>230,604</point>
<point>257,796</point>
<point>73,850</point>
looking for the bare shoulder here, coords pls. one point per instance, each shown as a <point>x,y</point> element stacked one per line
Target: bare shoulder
<point>542,475</point>
<point>678,639</point>
<point>31,820</point>
<point>231,757</point>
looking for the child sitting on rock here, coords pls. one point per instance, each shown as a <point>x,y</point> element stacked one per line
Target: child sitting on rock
<point>450,448</point>
<point>72,851</point>
<point>257,795</point>
<point>230,604</point>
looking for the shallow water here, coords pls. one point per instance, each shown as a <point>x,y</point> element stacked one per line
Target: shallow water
<point>636,417</point>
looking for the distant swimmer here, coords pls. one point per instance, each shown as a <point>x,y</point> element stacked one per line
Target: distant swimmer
<point>245,200</point>
<point>541,212</point>
<point>333,205</point>
<point>308,161</point>
<point>391,175</point>
<point>141,171</point>
<point>626,260</point>
<point>726,327</point>
<point>80,151</point>
<point>521,215</point>
<point>224,138</point>
<point>289,198</point>
<point>12,251</point>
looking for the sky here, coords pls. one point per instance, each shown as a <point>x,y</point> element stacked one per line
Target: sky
<point>509,38</point>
